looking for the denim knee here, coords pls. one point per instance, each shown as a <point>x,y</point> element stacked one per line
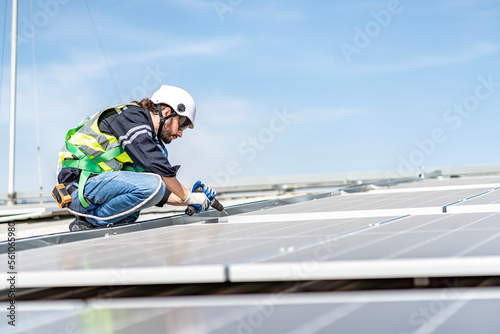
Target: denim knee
<point>159,196</point>
<point>150,185</point>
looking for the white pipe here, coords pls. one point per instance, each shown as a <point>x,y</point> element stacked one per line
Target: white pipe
<point>12,126</point>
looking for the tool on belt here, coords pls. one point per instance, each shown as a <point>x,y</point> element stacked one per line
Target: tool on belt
<point>61,195</point>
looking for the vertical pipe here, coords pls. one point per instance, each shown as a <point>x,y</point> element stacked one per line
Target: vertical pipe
<point>12,126</point>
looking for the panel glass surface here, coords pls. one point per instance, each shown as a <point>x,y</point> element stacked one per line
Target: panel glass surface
<point>225,244</point>
<point>428,236</point>
<point>186,245</point>
<point>438,311</point>
<point>377,201</point>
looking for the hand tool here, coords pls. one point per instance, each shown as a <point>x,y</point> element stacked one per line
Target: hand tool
<point>214,203</point>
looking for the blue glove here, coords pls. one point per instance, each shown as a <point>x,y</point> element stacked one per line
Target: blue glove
<point>198,200</point>
<point>207,190</point>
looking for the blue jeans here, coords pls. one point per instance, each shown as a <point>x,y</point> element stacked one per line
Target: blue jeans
<point>113,193</point>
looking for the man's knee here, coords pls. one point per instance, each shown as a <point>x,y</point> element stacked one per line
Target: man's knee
<point>155,187</point>
<point>161,193</point>
<point>151,184</point>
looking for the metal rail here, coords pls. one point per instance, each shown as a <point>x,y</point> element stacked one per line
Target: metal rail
<point>211,216</point>
<point>286,183</point>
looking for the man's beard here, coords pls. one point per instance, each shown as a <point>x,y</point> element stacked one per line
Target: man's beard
<point>166,138</point>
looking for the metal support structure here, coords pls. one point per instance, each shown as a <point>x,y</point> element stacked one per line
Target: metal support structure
<point>12,127</point>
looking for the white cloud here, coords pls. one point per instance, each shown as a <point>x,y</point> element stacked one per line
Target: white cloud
<point>227,111</point>
<point>177,48</point>
<point>458,57</point>
<point>459,4</point>
<point>94,64</point>
<point>323,116</point>
<point>287,15</point>
<point>194,4</point>
<point>270,11</point>
<point>326,64</point>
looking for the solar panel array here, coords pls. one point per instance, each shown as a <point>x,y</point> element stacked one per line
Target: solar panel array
<point>381,225</point>
<point>448,310</point>
<point>433,228</point>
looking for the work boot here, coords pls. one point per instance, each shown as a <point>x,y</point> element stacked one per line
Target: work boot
<point>80,224</point>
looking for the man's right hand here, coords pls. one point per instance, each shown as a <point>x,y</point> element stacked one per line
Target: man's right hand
<point>207,190</point>
<point>198,200</point>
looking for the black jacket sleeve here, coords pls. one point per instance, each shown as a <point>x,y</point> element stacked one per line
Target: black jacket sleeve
<point>135,132</point>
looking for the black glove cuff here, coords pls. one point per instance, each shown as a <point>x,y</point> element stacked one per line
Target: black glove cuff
<point>164,199</point>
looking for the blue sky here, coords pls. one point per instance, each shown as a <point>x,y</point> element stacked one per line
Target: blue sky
<point>282,87</point>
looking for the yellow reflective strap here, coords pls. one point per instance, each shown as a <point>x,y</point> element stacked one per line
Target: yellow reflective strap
<point>82,139</point>
<point>95,127</point>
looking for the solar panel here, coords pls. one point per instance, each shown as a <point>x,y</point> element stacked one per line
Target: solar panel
<point>388,233</point>
<point>420,236</point>
<point>187,253</point>
<point>413,246</point>
<point>476,181</point>
<point>201,253</point>
<point>446,310</point>
<point>390,202</point>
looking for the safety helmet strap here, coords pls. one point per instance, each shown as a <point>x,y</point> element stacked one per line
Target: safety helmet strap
<point>173,113</point>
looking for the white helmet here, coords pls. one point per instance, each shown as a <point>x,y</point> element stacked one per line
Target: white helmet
<point>178,99</point>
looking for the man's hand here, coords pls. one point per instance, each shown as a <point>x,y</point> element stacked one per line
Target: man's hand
<point>199,200</point>
<point>207,190</point>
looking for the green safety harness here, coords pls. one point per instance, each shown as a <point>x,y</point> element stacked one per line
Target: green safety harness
<point>89,165</point>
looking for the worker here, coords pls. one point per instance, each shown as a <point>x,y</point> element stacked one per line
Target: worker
<point>115,164</point>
